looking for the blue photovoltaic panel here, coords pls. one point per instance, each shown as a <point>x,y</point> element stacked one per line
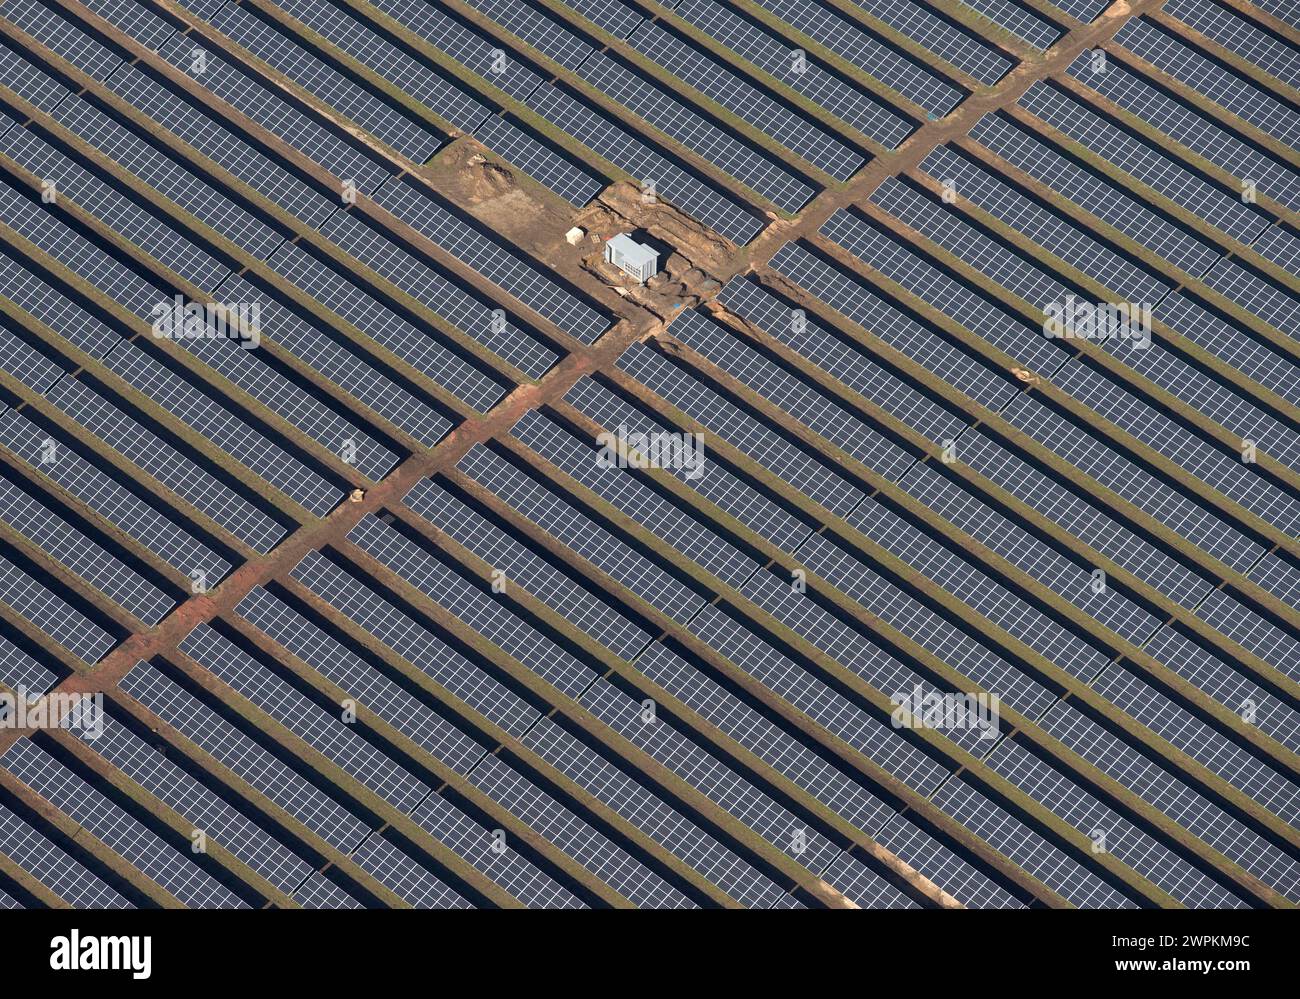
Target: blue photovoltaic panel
<point>1020,21</point>
<point>507,868</point>
<point>1282,10</point>
<point>1256,294</point>
<point>1147,164</point>
<point>171,468</point>
<point>1223,680</point>
<point>1046,228</point>
<point>1221,24</point>
<point>710,479</point>
<point>1223,405</point>
<point>21,673</point>
<point>341,366</point>
<point>324,732</point>
<point>142,24</point>
<point>115,210</point>
<point>412,139</point>
<point>818,84</point>
<point>722,417</point>
<point>63,875</point>
<point>581,533</point>
<point>617,18</point>
<point>66,625</point>
<point>863,886</point>
<point>1203,743</point>
<point>245,758</point>
<point>436,735</point>
<point>1084,10</point>
<point>674,748</point>
<point>224,79</point>
<point>1127,479</point>
<point>853,299</point>
<point>970,584</point>
<point>478,250</point>
<point>1068,579</point>
<point>319,892</point>
<point>172,870</point>
<point>1124,840</point>
<point>294,403</point>
<point>867,53</point>
<point>520,565</point>
<point>412,76</point>
<point>50,306</point>
<point>1194,130</point>
<point>629,494</point>
<point>763,310</point>
<point>1210,79</point>
<point>1220,337</point>
<point>640,806</point>
<point>720,84</point>
<point>986,667</point>
<point>225,430</point>
<point>944,867</point>
<point>1001,830</point>
<point>446,299</point>
<point>20,361</point>
<point>1117,472</point>
<point>931,285</point>
<point>1227,473</point>
<point>1282,247</point>
<point>413,642</point>
<point>572,183</point>
<point>28,82</point>
<point>341,743</point>
<point>63,38</point>
<point>403,876</point>
<point>221,144</point>
<point>196,804</point>
<point>168,177</point>
<point>372,688</point>
<point>788,756</point>
<point>420,350</point>
<point>868,659</point>
<point>589,847</point>
<point>941,37</point>
<point>673,184</point>
<point>473,606</point>
<point>873,737</point>
<point>81,555</point>
<point>1105,200</point>
<point>539,31</point>
<point>1155,785</point>
<point>467,46</point>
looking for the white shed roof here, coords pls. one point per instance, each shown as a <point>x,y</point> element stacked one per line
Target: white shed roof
<point>633,252</point>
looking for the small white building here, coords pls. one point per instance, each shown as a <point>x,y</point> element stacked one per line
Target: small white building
<point>636,259</point>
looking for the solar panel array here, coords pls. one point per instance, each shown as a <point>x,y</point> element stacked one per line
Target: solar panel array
<point>469,583</point>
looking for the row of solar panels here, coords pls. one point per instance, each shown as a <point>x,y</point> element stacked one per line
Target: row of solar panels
<point>567,496</point>
<point>364,48</point>
<point>550,756</point>
<point>271,174</point>
<point>737,494</point>
<point>521,482</point>
<point>728,424</point>
<point>359,40</point>
<point>379,43</point>
<point>1252,645</point>
<point>261,382</point>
